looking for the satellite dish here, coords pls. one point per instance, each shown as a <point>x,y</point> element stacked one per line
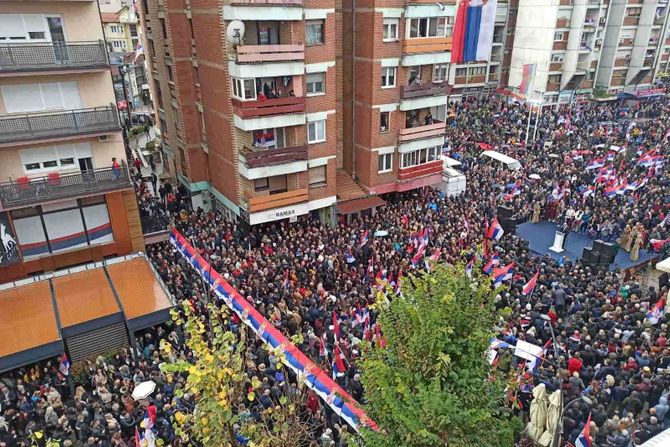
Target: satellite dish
<point>235,32</point>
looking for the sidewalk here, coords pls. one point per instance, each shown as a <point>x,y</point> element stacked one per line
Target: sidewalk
<point>137,145</point>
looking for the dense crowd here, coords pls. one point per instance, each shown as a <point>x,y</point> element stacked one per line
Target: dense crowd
<point>299,275</point>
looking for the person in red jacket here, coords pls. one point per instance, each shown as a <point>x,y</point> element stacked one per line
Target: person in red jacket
<point>575,364</point>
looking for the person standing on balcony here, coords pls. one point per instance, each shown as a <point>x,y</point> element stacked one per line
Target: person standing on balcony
<point>116,169</point>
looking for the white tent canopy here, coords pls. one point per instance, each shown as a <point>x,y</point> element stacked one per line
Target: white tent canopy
<point>664,265</point>
<point>510,162</point>
<point>660,440</point>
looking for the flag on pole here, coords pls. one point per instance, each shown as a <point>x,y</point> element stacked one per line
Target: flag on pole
<point>530,285</point>
<point>139,51</point>
<point>492,262</point>
<point>584,440</point>
<point>527,79</point>
<point>336,327</point>
<point>64,367</point>
<point>501,274</point>
<point>656,313</point>
<point>495,231</point>
<point>323,351</point>
<point>339,369</point>
<point>364,238</point>
<point>468,267</point>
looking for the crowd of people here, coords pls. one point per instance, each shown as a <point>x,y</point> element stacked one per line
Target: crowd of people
<point>298,275</point>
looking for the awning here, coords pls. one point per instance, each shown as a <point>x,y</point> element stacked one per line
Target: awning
<point>664,265</point>
<point>354,206</point>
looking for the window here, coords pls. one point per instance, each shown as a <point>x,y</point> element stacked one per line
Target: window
<point>39,97</point>
<point>118,44</point>
<point>385,163</point>
<point>314,32</point>
<point>558,37</point>
<point>316,83</point>
<point>114,29</point>
<point>634,12</point>
<point>163,28</point>
<point>244,89</point>
<point>54,158</point>
<point>461,72</point>
<point>420,157</point>
<point>133,30</point>
<point>440,72</point>
<point>269,138</point>
<point>316,131</point>
<point>261,184</point>
<point>384,121</point>
<point>430,27</point>
<point>317,176</point>
<point>388,76</point>
<point>475,71</point>
<point>557,57</point>
<point>390,30</point>
<point>27,27</point>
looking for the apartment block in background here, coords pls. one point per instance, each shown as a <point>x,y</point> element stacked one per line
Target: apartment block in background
<point>62,201</point>
<point>246,92</point>
<point>579,45</point>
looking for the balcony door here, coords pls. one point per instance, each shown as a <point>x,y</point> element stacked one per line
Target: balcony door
<point>267,33</point>
<point>270,138</point>
<point>55,25</point>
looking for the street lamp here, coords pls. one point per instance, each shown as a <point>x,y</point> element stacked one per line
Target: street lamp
<point>558,433</point>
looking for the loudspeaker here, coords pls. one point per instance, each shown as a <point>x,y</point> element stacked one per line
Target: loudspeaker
<point>508,224</point>
<point>504,212</point>
<point>605,259</point>
<point>589,256</point>
<point>605,248</point>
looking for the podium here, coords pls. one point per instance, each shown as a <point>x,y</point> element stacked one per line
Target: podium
<point>559,242</point>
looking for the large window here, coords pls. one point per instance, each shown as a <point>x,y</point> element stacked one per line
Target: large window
<point>316,83</point>
<point>30,28</point>
<point>384,119</point>
<point>314,32</point>
<point>430,27</point>
<point>62,226</point>
<point>388,77</point>
<point>41,97</point>
<point>390,30</point>
<point>317,176</point>
<point>316,131</point>
<point>269,138</point>
<point>420,157</point>
<point>55,158</point>
<point>244,89</point>
<point>385,163</point>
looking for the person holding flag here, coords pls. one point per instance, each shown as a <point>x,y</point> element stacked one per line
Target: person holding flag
<point>584,438</point>
<point>529,287</point>
<point>495,230</point>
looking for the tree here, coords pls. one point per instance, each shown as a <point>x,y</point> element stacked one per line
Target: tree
<point>215,368</point>
<point>431,384</point>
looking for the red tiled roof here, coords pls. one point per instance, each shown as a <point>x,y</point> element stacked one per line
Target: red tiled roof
<point>110,17</point>
<point>347,188</point>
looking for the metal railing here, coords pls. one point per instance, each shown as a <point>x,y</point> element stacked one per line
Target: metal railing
<point>154,224</point>
<point>34,126</point>
<point>52,56</point>
<point>27,191</point>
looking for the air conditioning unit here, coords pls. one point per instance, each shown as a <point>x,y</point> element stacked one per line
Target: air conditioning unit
<point>103,138</point>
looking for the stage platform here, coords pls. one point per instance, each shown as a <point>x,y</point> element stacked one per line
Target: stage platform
<point>84,311</point>
<point>540,237</point>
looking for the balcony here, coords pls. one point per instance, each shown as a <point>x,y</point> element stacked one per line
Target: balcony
<point>565,3</point>
<point>430,168</point>
<point>425,89</point>
<point>52,56</point>
<point>630,21</point>
<point>254,54</point>
<point>267,202</point>
<point>621,62</point>
<point>427,45</point>
<point>267,2</point>
<point>278,106</point>
<point>648,62</point>
<point>420,132</point>
<point>25,191</point>
<point>37,126</point>
<point>553,86</point>
<point>556,66</point>
<point>258,158</point>
<point>617,82</point>
<point>560,45</point>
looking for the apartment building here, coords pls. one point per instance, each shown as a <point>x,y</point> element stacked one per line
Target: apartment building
<point>579,45</point>
<point>63,199</point>
<point>246,92</point>
<point>121,29</point>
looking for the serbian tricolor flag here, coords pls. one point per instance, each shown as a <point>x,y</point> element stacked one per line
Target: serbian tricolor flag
<point>468,267</point>
<point>323,351</point>
<point>473,31</point>
<point>656,313</point>
<point>338,363</point>
<point>530,285</point>
<point>364,238</point>
<point>495,231</point>
<point>64,367</point>
<point>488,268</point>
<point>138,438</point>
<point>612,191</point>
<point>527,79</point>
<point>336,327</point>
<point>584,440</point>
<point>657,244</point>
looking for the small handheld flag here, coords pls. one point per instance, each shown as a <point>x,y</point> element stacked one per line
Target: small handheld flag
<point>584,440</point>
<point>530,285</point>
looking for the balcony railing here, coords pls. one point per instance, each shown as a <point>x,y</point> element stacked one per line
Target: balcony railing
<point>270,53</point>
<point>267,202</point>
<point>17,57</point>
<point>154,224</point>
<point>252,109</point>
<point>416,133</point>
<point>430,168</point>
<point>257,158</point>
<point>427,45</point>
<point>267,2</point>
<point>25,191</point>
<point>35,126</point>
<point>425,89</point>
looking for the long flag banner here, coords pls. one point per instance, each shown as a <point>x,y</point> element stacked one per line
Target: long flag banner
<point>315,378</point>
<point>473,30</point>
<point>527,79</point>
